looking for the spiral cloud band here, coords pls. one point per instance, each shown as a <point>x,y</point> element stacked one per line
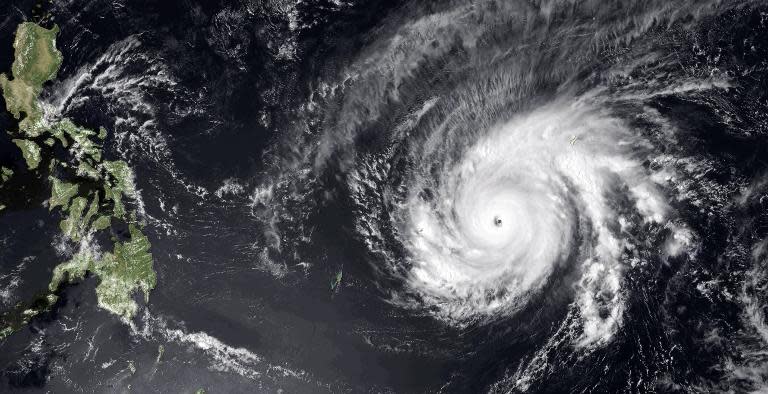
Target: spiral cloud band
<point>527,170</point>
<point>509,211</point>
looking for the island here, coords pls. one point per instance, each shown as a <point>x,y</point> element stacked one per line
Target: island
<point>89,193</point>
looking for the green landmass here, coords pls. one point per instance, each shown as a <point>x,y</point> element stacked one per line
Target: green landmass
<point>128,268</point>
<point>61,193</point>
<point>30,151</point>
<point>86,170</point>
<point>72,226</point>
<point>15,320</point>
<point>160,352</point>
<point>101,223</point>
<point>336,280</point>
<point>36,61</point>
<point>122,184</point>
<point>82,146</point>
<point>89,192</point>
<point>5,174</point>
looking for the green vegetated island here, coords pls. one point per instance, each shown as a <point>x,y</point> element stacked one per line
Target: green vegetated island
<point>88,191</point>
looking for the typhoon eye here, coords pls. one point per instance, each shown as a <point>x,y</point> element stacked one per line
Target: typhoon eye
<point>515,205</point>
<point>497,221</point>
<point>452,196</point>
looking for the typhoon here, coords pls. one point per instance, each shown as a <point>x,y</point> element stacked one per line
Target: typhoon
<point>556,171</point>
<point>522,174</point>
<point>527,198</point>
<point>449,196</point>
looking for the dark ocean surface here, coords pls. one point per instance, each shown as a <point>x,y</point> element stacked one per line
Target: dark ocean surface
<point>279,189</point>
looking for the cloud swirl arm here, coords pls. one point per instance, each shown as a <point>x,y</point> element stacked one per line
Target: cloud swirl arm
<point>540,169</point>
